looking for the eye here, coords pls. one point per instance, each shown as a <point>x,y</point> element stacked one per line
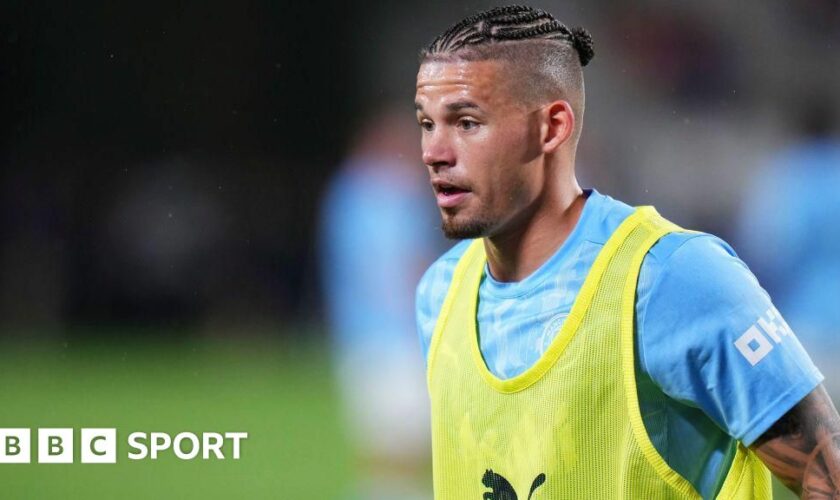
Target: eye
<point>426,125</point>
<point>467,123</point>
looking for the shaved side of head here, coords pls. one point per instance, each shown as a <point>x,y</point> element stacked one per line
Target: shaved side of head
<point>544,58</point>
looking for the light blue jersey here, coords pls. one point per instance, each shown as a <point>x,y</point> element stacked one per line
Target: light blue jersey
<point>716,362</point>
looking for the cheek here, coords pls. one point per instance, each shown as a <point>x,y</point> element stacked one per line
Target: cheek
<point>511,152</point>
<point>518,178</point>
<point>514,141</point>
<point>497,164</point>
<point>500,147</point>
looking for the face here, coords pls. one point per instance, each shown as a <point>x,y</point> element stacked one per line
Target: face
<point>481,145</point>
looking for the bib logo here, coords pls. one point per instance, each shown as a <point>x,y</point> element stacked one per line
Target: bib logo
<point>502,490</point>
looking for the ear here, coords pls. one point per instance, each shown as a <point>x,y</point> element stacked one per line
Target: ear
<point>558,125</point>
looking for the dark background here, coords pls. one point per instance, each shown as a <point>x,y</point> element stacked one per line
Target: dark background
<point>162,163</point>
<point>164,160</point>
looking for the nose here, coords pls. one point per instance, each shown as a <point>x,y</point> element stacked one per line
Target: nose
<point>437,150</point>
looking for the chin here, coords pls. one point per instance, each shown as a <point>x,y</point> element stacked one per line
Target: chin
<point>459,228</point>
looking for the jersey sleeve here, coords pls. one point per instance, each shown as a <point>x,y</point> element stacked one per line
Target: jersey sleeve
<point>710,337</point>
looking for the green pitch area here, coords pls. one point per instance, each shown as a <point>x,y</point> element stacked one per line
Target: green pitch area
<point>281,395</point>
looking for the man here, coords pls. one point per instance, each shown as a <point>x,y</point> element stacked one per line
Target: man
<point>576,347</point>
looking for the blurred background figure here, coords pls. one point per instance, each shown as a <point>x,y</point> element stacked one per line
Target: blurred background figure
<point>378,234</point>
<point>790,234</point>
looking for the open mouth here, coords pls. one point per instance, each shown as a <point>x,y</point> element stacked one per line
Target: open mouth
<point>451,190</point>
<point>449,195</point>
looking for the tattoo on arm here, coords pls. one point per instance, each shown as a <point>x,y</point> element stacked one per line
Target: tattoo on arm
<point>803,448</point>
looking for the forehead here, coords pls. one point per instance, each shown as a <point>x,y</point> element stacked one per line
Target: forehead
<point>476,80</point>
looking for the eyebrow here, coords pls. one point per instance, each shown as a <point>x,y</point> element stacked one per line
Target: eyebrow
<point>453,106</point>
<point>459,105</point>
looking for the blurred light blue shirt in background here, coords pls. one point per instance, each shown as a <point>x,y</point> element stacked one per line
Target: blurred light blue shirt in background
<point>790,233</point>
<point>378,234</point>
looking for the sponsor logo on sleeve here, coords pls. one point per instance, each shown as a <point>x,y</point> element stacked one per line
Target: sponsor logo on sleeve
<point>760,338</point>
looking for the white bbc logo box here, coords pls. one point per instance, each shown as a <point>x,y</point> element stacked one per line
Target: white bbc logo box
<point>99,446</point>
<point>14,446</point>
<point>55,446</point>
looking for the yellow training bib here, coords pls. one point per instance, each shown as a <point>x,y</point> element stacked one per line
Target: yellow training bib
<point>569,426</point>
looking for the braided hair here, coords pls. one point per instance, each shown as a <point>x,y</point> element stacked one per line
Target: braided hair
<point>512,23</point>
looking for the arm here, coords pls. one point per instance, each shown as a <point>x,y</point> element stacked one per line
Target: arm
<point>803,448</point>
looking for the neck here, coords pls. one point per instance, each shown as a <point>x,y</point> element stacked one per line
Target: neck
<point>514,253</point>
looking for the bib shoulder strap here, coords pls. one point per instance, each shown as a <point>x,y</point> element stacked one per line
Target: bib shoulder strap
<point>470,262</point>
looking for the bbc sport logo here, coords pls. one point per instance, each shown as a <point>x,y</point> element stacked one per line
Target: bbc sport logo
<point>99,445</point>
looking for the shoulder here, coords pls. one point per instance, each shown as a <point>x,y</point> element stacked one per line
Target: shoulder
<point>697,274</point>
<point>696,303</point>
<point>682,255</point>
<point>607,214</point>
<point>441,270</point>
<point>692,286</point>
<point>697,280</point>
<point>432,289</point>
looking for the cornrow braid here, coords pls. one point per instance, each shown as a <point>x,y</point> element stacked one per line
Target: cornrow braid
<point>510,23</point>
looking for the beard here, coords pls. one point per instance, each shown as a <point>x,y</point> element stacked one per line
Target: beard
<point>454,229</point>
